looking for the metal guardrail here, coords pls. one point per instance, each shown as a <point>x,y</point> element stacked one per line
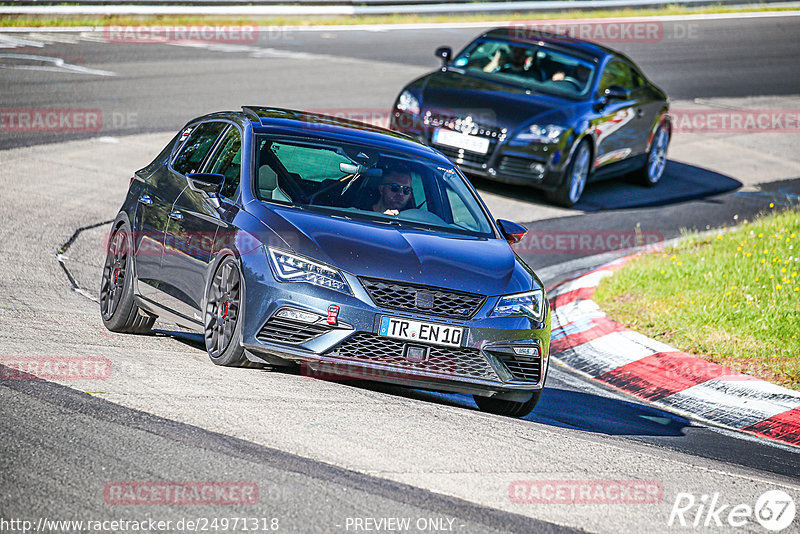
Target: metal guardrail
<point>333,7</point>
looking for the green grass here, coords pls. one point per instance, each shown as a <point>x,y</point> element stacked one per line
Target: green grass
<point>187,20</point>
<point>732,298</point>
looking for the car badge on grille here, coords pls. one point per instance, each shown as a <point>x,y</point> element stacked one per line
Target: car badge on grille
<point>424,300</point>
<point>466,125</point>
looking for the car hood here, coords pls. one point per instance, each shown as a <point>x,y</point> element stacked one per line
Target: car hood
<point>489,103</point>
<point>402,253</point>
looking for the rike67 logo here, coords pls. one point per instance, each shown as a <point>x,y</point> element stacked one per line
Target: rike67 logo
<point>774,510</point>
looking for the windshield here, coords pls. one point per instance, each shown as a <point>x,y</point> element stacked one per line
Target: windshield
<point>363,182</point>
<point>535,67</point>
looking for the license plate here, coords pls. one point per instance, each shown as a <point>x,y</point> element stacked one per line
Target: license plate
<point>408,330</point>
<point>453,139</point>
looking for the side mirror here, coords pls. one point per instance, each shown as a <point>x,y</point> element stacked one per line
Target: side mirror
<point>512,231</point>
<point>615,92</point>
<point>203,181</point>
<point>444,53</point>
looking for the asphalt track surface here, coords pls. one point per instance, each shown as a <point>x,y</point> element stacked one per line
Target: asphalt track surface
<point>323,452</point>
<point>158,88</point>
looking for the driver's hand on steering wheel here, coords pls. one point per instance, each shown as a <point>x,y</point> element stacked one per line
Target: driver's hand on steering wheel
<point>392,212</point>
<point>494,64</point>
<point>558,76</point>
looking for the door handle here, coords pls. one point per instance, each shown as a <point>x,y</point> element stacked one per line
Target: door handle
<point>146,200</point>
<point>639,112</point>
<point>177,215</point>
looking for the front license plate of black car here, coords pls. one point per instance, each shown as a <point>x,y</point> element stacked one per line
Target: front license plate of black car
<point>479,145</point>
<point>409,330</point>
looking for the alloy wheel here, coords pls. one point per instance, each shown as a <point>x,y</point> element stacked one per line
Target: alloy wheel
<point>114,272</point>
<point>222,308</point>
<point>658,156</point>
<point>579,174</point>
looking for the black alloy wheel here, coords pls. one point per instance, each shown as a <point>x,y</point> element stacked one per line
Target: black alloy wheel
<point>118,306</point>
<point>223,329</point>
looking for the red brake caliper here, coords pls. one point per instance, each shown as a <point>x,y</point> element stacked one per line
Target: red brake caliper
<point>225,313</point>
<point>116,274</point>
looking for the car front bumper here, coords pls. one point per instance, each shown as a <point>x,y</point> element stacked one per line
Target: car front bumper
<point>538,165</point>
<point>485,363</point>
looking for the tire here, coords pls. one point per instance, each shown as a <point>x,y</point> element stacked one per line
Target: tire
<point>653,170</point>
<point>577,173</point>
<point>222,328</point>
<point>118,306</point>
<point>507,408</point>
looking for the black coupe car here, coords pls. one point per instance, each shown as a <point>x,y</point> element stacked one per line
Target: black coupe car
<point>542,110</point>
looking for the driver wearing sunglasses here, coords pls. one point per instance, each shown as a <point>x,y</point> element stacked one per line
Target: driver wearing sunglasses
<point>395,193</point>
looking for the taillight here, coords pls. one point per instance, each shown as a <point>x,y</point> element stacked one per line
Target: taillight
<point>132,179</point>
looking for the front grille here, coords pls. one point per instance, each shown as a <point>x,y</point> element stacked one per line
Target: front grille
<point>401,296</point>
<point>518,167</point>
<point>523,367</point>
<point>369,347</point>
<point>466,125</point>
<point>282,330</point>
<point>463,157</point>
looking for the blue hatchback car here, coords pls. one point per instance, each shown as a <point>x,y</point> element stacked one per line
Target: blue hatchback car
<point>289,238</point>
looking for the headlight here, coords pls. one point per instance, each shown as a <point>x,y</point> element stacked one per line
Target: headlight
<point>529,304</point>
<point>535,133</point>
<point>290,267</point>
<point>408,102</point>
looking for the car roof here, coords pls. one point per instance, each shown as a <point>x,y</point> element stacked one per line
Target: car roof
<point>290,122</point>
<point>530,34</point>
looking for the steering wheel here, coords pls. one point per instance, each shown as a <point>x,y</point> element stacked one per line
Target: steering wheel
<point>325,189</point>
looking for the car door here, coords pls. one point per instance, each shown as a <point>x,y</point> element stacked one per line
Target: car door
<point>198,139</point>
<point>159,192</point>
<point>618,127</point>
<point>649,109</point>
<point>193,226</point>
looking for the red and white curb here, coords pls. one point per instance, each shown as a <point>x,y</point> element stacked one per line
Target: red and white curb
<point>587,340</point>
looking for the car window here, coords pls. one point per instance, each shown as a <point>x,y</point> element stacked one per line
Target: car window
<point>616,73</point>
<point>419,191</point>
<point>228,161</point>
<point>310,163</point>
<point>537,67</point>
<point>464,215</point>
<point>363,182</point>
<point>194,150</point>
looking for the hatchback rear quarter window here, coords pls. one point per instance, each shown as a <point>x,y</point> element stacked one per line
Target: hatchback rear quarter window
<point>194,150</point>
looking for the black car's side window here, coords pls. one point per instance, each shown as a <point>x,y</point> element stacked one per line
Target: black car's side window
<point>194,151</point>
<point>616,73</point>
<point>228,161</point>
